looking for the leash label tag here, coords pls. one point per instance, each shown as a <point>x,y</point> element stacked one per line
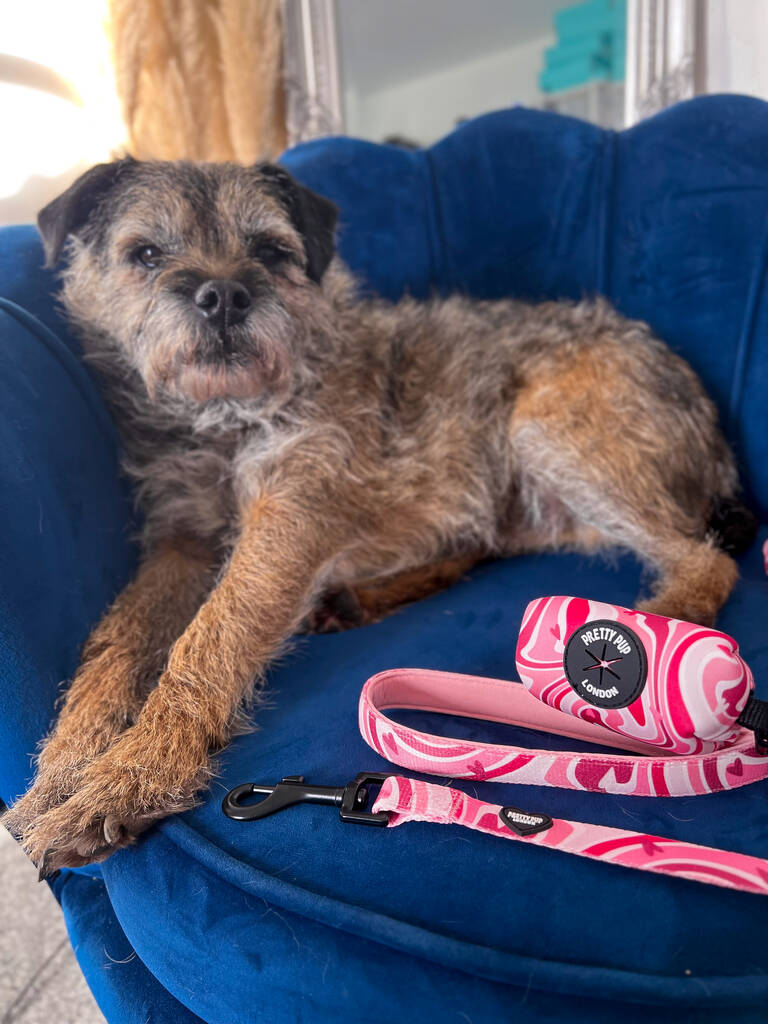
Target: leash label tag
<point>524,823</point>
<point>605,663</point>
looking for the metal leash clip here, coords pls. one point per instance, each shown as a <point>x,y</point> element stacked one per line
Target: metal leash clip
<point>352,799</point>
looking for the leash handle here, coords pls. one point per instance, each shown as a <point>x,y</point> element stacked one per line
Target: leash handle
<point>497,700</point>
<point>412,800</point>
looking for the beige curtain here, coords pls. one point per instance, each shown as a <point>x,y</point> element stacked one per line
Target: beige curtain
<point>200,79</point>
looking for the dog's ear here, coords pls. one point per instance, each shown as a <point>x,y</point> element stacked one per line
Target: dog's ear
<point>313,216</point>
<point>69,212</point>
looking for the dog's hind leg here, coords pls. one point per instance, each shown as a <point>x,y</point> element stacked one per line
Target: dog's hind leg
<point>632,508</point>
<point>121,661</point>
<point>694,579</point>
<point>370,600</point>
<point>620,432</point>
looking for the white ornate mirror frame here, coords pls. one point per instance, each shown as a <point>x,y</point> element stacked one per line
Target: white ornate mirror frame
<point>311,69</point>
<point>666,53</point>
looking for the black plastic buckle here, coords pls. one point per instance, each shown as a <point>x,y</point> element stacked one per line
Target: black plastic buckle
<point>754,716</point>
<point>352,799</point>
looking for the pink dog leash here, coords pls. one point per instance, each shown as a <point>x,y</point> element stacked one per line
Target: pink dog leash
<point>678,696</point>
<point>401,800</point>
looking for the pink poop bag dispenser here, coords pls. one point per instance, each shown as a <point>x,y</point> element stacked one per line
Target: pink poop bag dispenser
<point>668,683</point>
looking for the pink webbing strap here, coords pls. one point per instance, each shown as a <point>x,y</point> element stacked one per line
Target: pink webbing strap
<point>497,700</point>
<point>412,800</point>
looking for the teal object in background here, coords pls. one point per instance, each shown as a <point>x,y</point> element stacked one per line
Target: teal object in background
<point>591,44</point>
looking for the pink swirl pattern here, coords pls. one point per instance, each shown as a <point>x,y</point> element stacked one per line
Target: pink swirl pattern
<point>654,774</point>
<point>413,800</point>
<point>697,685</point>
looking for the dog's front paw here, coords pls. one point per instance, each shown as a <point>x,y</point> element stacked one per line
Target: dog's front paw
<point>119,796</point>
<point>92,825</point>
<point>74,834</point>
<point>61,764</point>
<point>58,776</point>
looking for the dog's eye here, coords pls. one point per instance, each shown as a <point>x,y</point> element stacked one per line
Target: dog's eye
<point>149,256</point>
<point>271,254</point>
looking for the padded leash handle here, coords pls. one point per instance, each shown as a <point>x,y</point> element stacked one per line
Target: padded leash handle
<point>497,700</point>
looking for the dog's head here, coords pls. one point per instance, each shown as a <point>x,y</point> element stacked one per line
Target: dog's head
<point>207,276</point>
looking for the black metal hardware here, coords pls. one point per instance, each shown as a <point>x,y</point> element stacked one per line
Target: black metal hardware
<point>352,799</point>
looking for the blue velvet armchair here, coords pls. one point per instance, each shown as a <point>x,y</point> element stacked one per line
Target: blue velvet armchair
<point>298,917</point>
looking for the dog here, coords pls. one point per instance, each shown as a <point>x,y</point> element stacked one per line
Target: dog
<point>289,439</point>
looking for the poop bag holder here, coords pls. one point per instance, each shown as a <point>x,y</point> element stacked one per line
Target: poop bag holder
<point>671,684</point>
<point>674,692</point>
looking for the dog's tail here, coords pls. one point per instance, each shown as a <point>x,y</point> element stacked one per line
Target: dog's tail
<point>733,525</point>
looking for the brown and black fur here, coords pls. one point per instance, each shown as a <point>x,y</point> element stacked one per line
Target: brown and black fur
<point>328,444</point>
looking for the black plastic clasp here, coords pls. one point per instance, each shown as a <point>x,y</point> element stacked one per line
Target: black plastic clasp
<point>352,799</point>
<point>754,716</point>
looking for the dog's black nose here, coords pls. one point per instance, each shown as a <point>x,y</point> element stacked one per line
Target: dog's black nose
<point>223,303</point>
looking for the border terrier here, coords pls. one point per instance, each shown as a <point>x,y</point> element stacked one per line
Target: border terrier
<point>289,438</point>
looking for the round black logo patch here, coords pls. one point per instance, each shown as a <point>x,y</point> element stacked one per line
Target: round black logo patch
<point>605,663</point>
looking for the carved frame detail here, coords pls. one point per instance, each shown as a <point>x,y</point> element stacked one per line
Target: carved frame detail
<point>666,54</point>
<point>312,74</point>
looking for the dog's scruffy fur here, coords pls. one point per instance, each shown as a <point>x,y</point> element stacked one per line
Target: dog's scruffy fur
<point>289,439</point>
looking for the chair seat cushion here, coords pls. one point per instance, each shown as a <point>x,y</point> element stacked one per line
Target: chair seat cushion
<point>300,910</point>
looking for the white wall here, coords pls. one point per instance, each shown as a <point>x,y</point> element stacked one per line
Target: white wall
<point>737,46</point>
<point>426,107</point>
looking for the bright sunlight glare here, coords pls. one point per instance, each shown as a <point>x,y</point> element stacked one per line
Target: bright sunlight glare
<point>46,135</point>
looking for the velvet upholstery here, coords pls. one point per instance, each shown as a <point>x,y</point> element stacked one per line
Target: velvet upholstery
<point>301,918</point>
